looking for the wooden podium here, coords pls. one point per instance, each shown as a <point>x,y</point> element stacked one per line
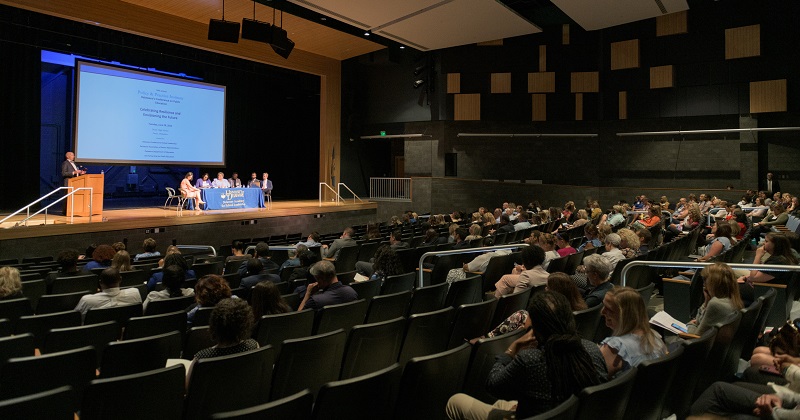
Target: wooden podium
<point>81,198</point>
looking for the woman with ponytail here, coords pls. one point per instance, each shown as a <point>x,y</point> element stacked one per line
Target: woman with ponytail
<point>539,370</point>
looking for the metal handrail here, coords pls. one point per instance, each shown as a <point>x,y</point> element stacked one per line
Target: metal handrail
<point>338,197</point>
<point>464,251</point>
<point>44,209</point>
<point>678,264</point>
<point>339,185</point>
<point>211,249</point>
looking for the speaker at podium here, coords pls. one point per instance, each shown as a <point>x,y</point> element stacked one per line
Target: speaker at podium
<point>85,199</point>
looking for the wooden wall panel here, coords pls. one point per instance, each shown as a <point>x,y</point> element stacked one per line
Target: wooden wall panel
<point>623,105</point>
<point>467,107</point>
<point>584,81</point>
<point>501,83</point>
<point>542,82</point>
<point>453,82</point>
<point>494,43</point>
<point>578,106</point>
<point>539,101</point>
<point>744,41</point>
<point>661,77</point>
<point>542,57</point>
<point>672,24</point>
<point>565,34</point>
<point>625,54</point>
<point>768,96</point>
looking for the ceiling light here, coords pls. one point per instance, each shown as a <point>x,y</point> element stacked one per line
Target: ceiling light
<point>418,83</point>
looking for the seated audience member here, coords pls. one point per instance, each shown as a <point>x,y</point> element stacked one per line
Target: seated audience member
<point>779,248</point>
<point>581,218</point>
<point>312,240</point>
<point>431,237</point>
<point>720,298</point>
<point>373,232</point>
<point>172,279</point>
<point>681,210</point>
<point>307,259</point>
<point>210,289</point>
<point>652,218</point>
<point>591,233</point>
<point>256,274</point>
<point>459,238</point>
<point>234,181</point>
<point>644,240</point>
<point>489,219</point>
<point>474,232</point>
<point>266,299</point>
<point>10,283</point>
<point>110,294</point>
<point>101,258</point>
<point>597,270</point>
<point>262,254</point>
<point>327,290</point>
<point>633,341</point>
<point>174,258</point>
<point>564,248</point>
<point>149,246</point>
<point>292,261</point>
<point>345,240</point>
<point>254,182</point>
<point>121,261</point>
<point>615,218</point>
<point>396,240</point>
<point>613,253</point>
<point>203,182</point>
<point>740,220</point>
<point>539,370</point>
<point>760,209</point>
<point>690,221</point>
<point>172,249</point>
<point>505,225</point>
<point>220,181</point>
<point>664,203</point>
<point>547,242</point>
<point>522,221</point>
<point>529,274</point>
<point>629,242</point>
<point>230,324</point>
<point>237,249</point>
<point>777,217</point>
<point>720,238</point>
<point>119,246</point>
<point>478,264</point>
<point>704,203</point>
<point>386,263</point>
<point>67,267</point>
<point>451,230</point>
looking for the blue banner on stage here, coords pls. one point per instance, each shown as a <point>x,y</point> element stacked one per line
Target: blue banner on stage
<point>232,198</point>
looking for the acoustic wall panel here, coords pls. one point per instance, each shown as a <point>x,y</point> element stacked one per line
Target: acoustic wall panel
<point>578,106</point>
<point>744,41</point>
<point>539,107</point>
<point>501,83</point>
<point>768,96</point>
<point>467,107</point>
<point>584,81</point>
<point>542,57</point>
<point>661,77</point>
<point>453,82</point>
<point>542,82</point>
<point>672,24</point>
<point>625,54</point>
<point>623,105</point>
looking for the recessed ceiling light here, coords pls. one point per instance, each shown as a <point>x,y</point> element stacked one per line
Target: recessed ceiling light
<point>323,18</point>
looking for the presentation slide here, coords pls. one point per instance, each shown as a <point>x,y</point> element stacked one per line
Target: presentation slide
<point>136,118</point>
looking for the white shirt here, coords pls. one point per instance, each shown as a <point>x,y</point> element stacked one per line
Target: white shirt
<point>109,298</point>
<point>162,295</point>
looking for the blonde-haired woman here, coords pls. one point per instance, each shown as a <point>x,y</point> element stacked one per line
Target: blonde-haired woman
<point>633,341</point>
<point>721,297</point>
<point>10,283</point>
<point>629,242</point>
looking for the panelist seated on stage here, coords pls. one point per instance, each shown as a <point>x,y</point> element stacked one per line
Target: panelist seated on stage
<point>234,181</point>
<point>220,181</point>
<point>266,184</point>
<point>254,182</point>
<point>69,169</point>
<point>191,192</point>
<point>203,182</point>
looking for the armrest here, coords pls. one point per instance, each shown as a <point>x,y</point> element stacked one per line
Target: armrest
<point>688,336</point>
<point>678,281</point>
<point>424,270</point>
<point>480,273</point>
<point>329,259</point>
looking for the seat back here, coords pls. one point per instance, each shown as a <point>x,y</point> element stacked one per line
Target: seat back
<point>468,290</point>
<point>95,335</point>
<point>646,293</point>
<point>497,267</point>
<point>12,309</point>
<point>52,303</point>
<point>293,407</point>
<point>744,334</point>
<point>398,283</point>
<point>768,300</point>
<point>83,283</point>
<point>386,307</point>
<point>169,305</point>
<point>481,361</point>
<point>567,410</point>
<point>140,354</point>
<point>197,338</point>
<point>372,347</point>
<point>133,278</point>
<point>22,345</point>
<point>367,251</point>
<point>33,290</point>
<point>508,304</point>
<point>573,261</point>
<point>29,375</point>
<point>426,334</point>
<point>102,397</point>
<point>40,325</point>
<point>274,329</point>
<point>610,398</point>
<point>471,321</point>
<point>5,327</point>
<point>367,289</point>
<point>443,375</point>
<point>428,298</point>
<point>206,268</point>
<point>716,360</point>
<point>557,265</point>
<point>651,386</point>
<point>245,377</point>
<point>308,363</point>
<point>587,321</point>
<point>373,393</point>
<point>346,260</point>
<point>121,314</point>
<point>343,315</point>
<point>147,326</point>
<point>56,404</point>
<point>443,264</point>
<point>690,367</point>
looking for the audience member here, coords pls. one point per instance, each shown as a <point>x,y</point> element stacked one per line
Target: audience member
<point>121,261</point>
<point>210,289</point>
<point>327,290</point>
<point>110,294</point>
<point>547,242</point>
<point>564,248</point>
<point>720,298</point>
<point>345,240</point>
<point>591,233</point>
<point>172,279</point>
<point>292,262</point>
<point>67,267</point>
<point>171,259</point>
<point>266,299</point>
<point>119,246</point>
<point>529,274</point>
<point>237,249</point>
<point>312,240</point>
<point>149,246</point>
<point>230,324</point>
<point>256,274</point>
<point>629,242</point>
<point>597,270</point>
<point>262,254</point>
<point>10,283</point>
<point>101,258</point>
<point>777,217</point>
<point>720,238</point>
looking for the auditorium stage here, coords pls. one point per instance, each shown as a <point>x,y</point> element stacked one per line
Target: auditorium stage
<point>216,227</point>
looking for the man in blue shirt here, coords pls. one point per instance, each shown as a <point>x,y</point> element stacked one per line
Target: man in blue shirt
<point>327,290</point>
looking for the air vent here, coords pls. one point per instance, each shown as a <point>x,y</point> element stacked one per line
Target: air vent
<point>661,7</point>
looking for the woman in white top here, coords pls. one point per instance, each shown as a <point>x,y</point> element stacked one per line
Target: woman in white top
<point>172,280</point>
<point>548,243</point>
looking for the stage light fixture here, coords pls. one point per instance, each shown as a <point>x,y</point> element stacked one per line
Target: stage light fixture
<point>222,30</point>
<point>280,41</point>
<point>420,69</point>
<point>418,83</point>
<point>256,30</point>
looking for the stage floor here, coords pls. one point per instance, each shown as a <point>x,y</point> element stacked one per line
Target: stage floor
<point>148,217</point>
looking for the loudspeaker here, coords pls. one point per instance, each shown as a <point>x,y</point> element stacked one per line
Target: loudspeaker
<point>280,43</point>
<point>256,31</point>
<point>451,164</point>
<point>223,30</point>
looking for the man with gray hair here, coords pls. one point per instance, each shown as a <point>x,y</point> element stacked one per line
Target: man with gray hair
<point>327,290</point>
<point>613,253</point>
<point>597,271</point>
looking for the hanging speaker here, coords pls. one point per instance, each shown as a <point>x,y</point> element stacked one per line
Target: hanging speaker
<point>256,31</point>
<point>223,30</point>
<point>280,42</point>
